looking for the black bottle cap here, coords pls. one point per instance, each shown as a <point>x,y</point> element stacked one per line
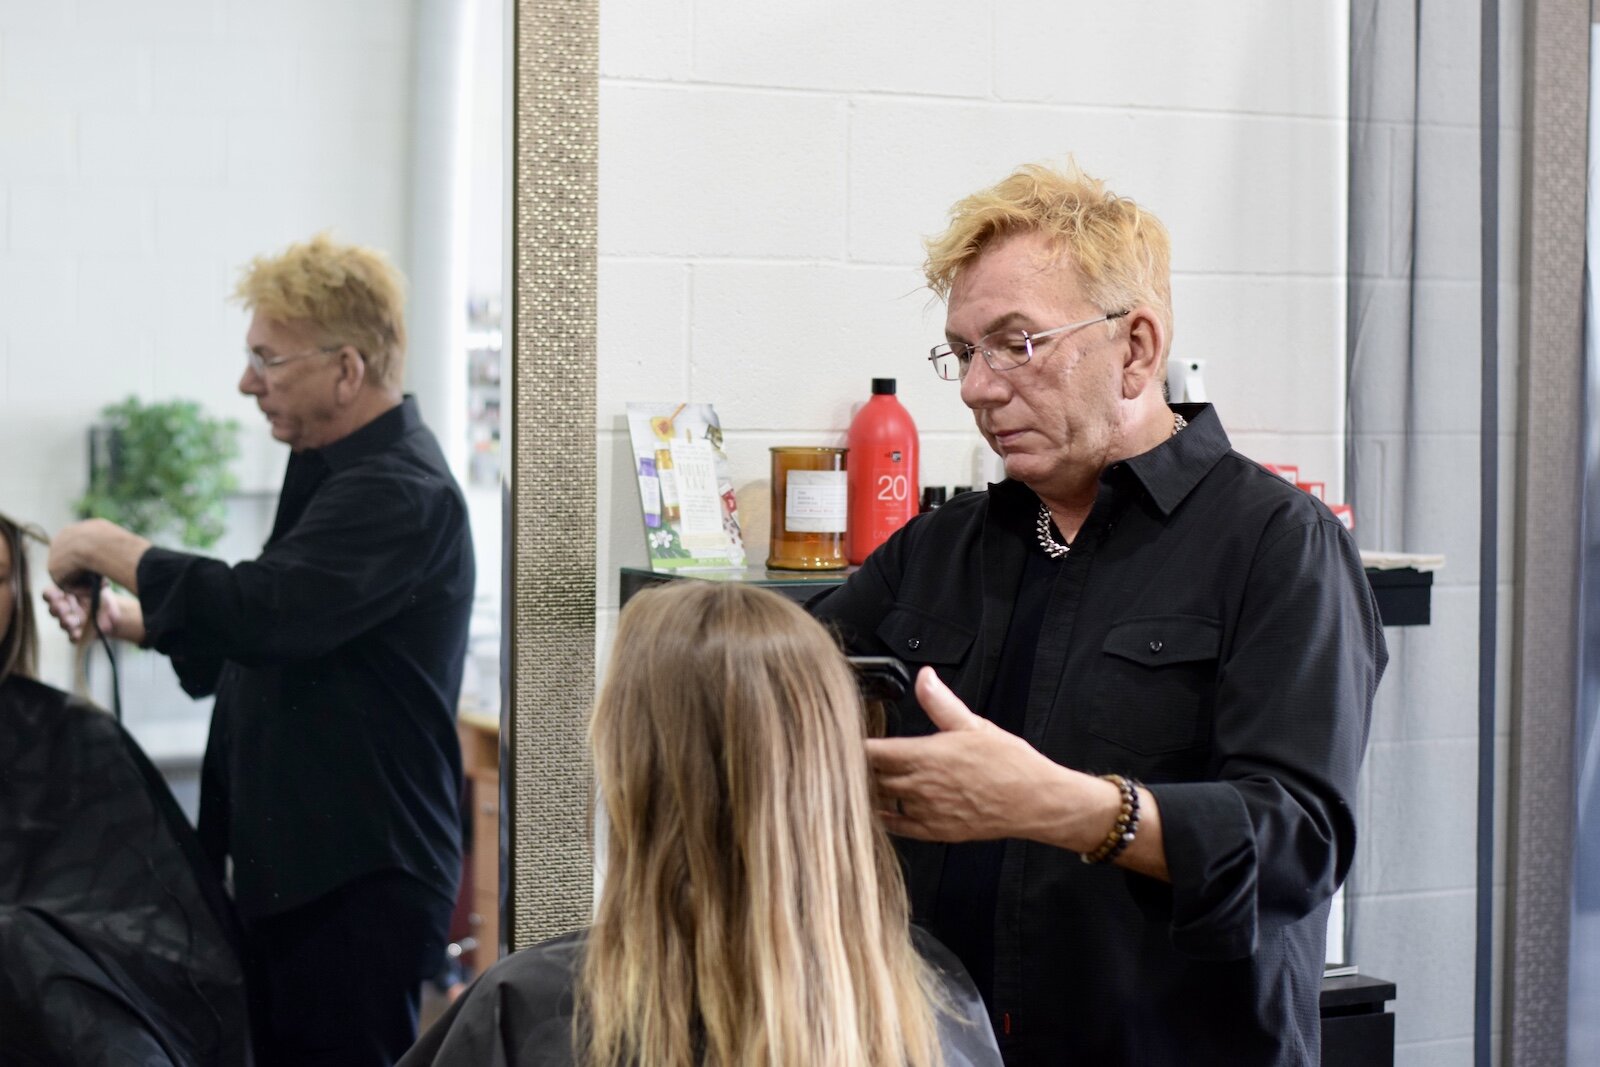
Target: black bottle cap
<point>883,387</point>
<point>958,490</point>
<point>932,496</point>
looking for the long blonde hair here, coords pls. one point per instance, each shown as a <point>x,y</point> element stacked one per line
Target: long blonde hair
<point>753,910</point>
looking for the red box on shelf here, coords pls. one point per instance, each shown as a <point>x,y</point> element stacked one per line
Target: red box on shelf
<point>1287,472</point>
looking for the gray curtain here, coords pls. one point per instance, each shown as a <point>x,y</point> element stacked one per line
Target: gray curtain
<point>1416,418</point>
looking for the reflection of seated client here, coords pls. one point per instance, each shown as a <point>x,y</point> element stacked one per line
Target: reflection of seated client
<point>114,944</point>
<point>752,910</point>
<point>332,772</point>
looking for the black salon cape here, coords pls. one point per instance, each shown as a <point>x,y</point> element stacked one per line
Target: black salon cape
<point>114,942</point>
<point>519,1013</point>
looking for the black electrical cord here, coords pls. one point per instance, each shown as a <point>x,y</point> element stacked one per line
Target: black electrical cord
<point>96,585</point>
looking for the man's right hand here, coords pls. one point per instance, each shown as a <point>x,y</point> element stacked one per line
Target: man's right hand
<point>120,616</point>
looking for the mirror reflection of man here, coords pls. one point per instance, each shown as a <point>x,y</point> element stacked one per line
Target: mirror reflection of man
<point>1133,845</point>
<point>332,774</point>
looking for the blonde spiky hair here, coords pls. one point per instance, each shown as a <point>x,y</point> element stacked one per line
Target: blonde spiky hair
<point>1121,252</point>
<point>345,293</point>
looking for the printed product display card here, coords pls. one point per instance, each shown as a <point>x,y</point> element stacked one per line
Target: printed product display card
<point>691,521</point>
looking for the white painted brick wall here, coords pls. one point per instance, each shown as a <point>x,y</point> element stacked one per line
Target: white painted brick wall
<point>692,171</point>
<point>1244,56</point>
<point>35,142</point>
<point>767,174</point>
<point>1240,193</point>
<point>147,151</point>
<point>924,47</point>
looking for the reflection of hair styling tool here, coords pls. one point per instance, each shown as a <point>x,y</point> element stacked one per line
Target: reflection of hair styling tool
<point>96,585</point>
<point>883,680</point>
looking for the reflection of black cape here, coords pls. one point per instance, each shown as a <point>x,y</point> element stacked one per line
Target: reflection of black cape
<point>519,1013</point>
<point>114,940</point>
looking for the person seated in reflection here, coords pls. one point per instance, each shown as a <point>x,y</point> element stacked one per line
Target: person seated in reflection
<point>19,634</point>
<point>332,773</point>
<point>752,909</point>
<point>115,942</point>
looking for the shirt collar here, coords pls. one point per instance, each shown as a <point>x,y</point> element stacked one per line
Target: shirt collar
<point>376,436</point>
<point>1173,468</point>
<point>1168,472</point>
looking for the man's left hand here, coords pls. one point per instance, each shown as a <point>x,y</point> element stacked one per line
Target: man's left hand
<point>971,781</point>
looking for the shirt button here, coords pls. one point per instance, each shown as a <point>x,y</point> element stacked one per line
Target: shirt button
<point>1155,646</point>
<point>913,642</point>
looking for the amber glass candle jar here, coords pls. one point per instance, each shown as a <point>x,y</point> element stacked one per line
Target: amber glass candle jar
<point>810,500</point>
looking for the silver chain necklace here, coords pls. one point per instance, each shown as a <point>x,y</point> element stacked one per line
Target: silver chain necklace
<point>1055,549</point>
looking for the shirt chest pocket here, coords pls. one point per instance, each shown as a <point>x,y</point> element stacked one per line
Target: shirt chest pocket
<point>1155,681</point>
<point>918,638</point>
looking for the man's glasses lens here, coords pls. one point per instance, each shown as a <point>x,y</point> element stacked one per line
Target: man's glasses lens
<point>949,364</point>
<point>1003,350</point>
<point>1008,348</point>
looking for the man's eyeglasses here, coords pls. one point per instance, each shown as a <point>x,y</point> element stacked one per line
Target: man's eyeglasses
<point>261,364</point>
<point>1002,350</point>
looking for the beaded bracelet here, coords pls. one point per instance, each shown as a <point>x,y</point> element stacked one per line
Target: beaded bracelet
<point>1124,829</point>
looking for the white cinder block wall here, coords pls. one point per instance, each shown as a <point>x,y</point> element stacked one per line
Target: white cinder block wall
<point>147,151</point>
<point>767,173</point>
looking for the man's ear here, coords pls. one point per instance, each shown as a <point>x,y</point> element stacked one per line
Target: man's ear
<point>1147,344</point>
<point>352,374</point>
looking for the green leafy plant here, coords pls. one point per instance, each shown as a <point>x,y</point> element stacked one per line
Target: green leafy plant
<point>162,469</point>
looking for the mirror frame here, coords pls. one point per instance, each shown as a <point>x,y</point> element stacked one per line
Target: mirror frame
<point>1546,520</point>
<point>548,481</point>
<point>550,484</point>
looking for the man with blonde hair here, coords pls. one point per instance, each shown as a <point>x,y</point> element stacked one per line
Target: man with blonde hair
<point>1132,843</point>
<point>330,787</point>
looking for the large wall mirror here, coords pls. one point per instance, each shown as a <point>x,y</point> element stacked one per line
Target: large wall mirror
<point>147,153</point>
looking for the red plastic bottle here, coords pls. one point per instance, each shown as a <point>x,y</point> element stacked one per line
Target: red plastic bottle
<point>883,470</point>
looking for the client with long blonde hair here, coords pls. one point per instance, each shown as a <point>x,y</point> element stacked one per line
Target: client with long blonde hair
<point>752,911</point>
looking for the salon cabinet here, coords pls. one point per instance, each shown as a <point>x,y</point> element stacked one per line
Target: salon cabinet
<point>480,760</point>
<point>1357,1027</point>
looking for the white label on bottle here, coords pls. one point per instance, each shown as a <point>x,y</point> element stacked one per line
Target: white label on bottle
<point>700,505</point>
<point>816,502</point>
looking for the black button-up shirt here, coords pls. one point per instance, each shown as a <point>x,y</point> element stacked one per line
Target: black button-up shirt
<point>336,659</point>
<point>1211,633</point>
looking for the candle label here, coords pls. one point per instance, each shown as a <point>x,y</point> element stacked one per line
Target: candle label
<point>816,502</point>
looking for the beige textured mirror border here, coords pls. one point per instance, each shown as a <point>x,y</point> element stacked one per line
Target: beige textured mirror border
<point>546,870</point>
